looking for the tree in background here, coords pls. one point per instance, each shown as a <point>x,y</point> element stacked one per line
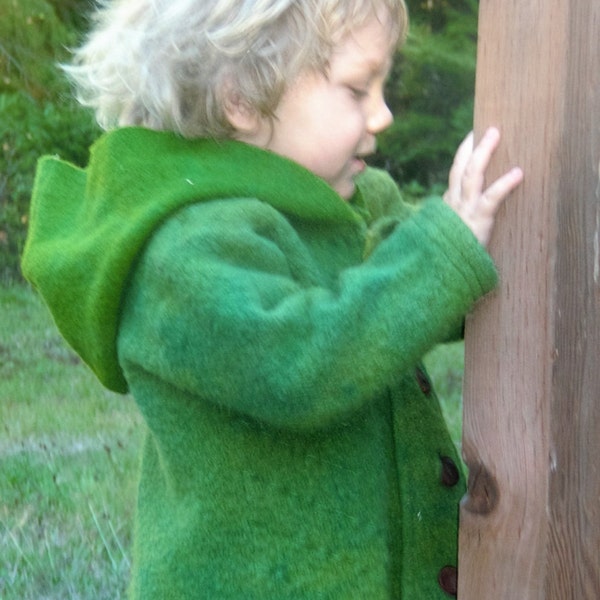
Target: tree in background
<point>430,92</point>
<point>37,112</point>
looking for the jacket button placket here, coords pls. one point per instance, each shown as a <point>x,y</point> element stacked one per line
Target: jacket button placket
<point>449,477</point>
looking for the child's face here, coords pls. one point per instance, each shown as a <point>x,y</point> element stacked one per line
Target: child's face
<point>328,123</point>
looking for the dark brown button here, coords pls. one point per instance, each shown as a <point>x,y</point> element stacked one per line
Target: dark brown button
<point>448,580</point>
<point>423,381</point>
<point>450,474</point>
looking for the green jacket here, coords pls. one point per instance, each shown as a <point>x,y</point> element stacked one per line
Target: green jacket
<point>271,336</point>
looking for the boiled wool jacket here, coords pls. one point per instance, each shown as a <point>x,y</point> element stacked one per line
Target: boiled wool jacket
<point>271,335</point>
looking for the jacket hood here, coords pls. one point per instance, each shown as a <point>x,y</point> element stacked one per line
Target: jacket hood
<point>87,226</point>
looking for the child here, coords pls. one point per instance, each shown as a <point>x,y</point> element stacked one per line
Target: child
<point>228,259</point>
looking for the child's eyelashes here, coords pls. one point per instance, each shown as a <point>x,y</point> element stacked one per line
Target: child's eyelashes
<point>358,93</point>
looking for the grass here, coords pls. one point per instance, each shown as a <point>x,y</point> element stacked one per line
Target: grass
<point>68,461</point>
<point>445,365</point>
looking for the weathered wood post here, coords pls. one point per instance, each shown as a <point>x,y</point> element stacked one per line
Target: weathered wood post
<point>530,526</point>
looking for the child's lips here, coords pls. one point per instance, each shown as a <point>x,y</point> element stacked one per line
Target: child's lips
<point>359,164</point>
<point>359,159</point>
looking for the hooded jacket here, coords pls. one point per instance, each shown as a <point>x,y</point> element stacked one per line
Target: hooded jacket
<point>271,335</point>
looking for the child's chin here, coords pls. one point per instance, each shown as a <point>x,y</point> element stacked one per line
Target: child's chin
<point>346,190</point>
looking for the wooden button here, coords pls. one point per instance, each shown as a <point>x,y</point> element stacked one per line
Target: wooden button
<point>423,381</point>
<point>448,580</point>
<point>450,474</point>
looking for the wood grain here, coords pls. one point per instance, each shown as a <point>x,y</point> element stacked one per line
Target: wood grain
<point>532,365</point>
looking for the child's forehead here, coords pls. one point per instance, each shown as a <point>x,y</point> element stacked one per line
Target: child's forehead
<point>370,47</point>
<point>373,38</point>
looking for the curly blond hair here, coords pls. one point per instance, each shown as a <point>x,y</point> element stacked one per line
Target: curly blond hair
<point>163,64</point>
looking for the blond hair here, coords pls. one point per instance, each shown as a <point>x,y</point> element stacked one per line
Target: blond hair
<point>163,64</point>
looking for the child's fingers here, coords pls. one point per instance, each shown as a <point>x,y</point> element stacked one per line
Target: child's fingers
<point>474,172</point>
<point>459,165</point>
<point>466,195</point>
<point>497,192</point>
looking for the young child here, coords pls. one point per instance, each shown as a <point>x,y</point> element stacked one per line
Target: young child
<point>228,259</point>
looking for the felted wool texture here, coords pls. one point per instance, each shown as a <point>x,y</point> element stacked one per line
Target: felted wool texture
<point>90,226</point>
<point>271,345</point>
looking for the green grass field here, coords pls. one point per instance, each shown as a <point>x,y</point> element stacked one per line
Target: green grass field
<point>68,461</point>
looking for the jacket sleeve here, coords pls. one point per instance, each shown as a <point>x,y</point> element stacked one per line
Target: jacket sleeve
<point>228,304</point>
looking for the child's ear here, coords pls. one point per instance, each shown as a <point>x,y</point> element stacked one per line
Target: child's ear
<point>244,119</point>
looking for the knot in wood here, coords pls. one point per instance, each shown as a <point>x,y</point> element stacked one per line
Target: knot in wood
<point>483,492</point>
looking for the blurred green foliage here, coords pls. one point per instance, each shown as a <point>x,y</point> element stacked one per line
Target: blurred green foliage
<point>430,92</point>
<point>38,114</point>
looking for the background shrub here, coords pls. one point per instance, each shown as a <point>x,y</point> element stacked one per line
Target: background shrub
<point>49,127</point>
<point>431,92</point>
<point>37,112</point>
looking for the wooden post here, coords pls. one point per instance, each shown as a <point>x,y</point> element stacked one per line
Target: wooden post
<point>530,525</point>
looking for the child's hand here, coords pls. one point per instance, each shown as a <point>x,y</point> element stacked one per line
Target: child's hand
<point>465,194</point>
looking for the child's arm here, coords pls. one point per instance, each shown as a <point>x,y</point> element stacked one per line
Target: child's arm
<point>474,205</point>
<point>229,305</point>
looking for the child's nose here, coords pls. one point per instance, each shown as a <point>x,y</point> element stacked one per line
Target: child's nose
<point>380,116</point>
